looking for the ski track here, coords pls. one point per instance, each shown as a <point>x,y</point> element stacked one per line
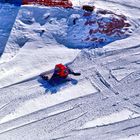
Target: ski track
<point>64,120</point>
<point>123,4</point>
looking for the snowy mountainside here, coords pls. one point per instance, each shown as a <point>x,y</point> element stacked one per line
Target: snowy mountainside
<point>8,15</point>
<point>103,103</point>
<point>73,28</point>
<point>44,28</point>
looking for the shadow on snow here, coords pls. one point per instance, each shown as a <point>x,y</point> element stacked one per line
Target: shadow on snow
<point>7,19</point>
<point>55,85</point>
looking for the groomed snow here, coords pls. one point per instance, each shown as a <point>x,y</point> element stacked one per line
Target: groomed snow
<point>131,138</point>
<point>112,118</point>
<point>66,94</point>
<point>103,103</point>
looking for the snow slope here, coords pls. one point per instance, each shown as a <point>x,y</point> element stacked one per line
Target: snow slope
<point>103,103</point>
<point>7,19</point>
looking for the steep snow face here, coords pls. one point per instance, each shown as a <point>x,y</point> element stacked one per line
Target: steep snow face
<point>36,24</point>
<point>97,29</point>
<point>32,39</point>
<point>74,28</point>
<point>8,15</point>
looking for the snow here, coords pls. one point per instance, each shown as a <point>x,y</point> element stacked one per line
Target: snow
<point>7,19</point>
<point>112,118</point>
<point>102,103</point>
<point>81,2</point>
<point>131,138</point>
<point>51,100</point>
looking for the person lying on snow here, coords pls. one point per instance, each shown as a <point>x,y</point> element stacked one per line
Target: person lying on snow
<point>62,71</point>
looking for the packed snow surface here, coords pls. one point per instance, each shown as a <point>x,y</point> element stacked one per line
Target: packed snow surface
<point>102,103</point>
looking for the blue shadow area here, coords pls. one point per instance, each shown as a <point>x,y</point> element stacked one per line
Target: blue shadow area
<point>15,2</point>
<point>54,85</point>
<point>8,14</point>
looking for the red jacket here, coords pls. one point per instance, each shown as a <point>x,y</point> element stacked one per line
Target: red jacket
<point>61,70</point>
